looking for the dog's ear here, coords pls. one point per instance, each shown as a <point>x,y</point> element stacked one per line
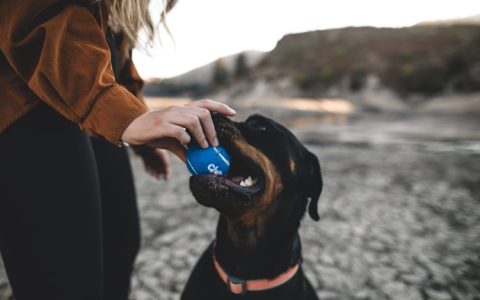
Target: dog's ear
<point>314,185</point>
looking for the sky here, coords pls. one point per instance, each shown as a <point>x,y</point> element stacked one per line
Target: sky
<point>204,30</point>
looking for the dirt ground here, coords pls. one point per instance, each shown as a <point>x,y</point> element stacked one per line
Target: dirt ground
<point>400,211</point>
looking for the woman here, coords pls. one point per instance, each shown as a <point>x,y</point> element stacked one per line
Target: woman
<point>68,222</point>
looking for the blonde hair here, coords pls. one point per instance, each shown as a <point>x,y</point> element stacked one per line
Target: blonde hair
<point>130,16</point>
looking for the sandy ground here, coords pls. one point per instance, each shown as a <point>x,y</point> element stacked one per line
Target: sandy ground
<point>400,211</point>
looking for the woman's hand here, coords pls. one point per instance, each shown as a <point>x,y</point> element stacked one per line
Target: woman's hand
<point>156,161</point>
<point>166,128</point>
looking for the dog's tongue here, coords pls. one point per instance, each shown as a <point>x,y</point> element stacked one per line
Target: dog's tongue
<point>237,179</point>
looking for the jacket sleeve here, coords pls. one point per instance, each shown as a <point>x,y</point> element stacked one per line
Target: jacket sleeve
<point>60,51</point>
<point>130,78</point>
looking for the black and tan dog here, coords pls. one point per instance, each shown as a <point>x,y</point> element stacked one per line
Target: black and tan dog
<point>257,252</point>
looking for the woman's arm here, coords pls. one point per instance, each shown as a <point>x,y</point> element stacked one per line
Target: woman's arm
<point>60,52</point>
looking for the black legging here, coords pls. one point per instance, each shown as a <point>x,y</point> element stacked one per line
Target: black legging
<point>69,224</point>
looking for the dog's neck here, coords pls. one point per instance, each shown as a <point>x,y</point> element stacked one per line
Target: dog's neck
<point>266,256</point>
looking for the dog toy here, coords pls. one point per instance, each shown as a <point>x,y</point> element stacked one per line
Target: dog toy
<point>211,160</point>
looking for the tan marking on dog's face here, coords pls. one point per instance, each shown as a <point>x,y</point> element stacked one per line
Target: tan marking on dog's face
<point>254,218</point>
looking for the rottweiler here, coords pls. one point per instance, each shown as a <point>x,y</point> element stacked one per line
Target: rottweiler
<point>257,251</point>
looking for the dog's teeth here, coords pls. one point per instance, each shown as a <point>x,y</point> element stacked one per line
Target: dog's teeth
<point>248,182</point>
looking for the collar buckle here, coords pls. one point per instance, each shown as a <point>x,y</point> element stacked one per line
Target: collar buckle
<point>236,285</point>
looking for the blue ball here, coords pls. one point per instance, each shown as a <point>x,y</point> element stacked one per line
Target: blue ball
<point>211,160</point>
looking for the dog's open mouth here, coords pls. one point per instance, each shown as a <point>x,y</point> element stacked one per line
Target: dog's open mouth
<point>245,175</point>
<point>243,182</point>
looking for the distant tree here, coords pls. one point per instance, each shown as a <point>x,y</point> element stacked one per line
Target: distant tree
<point>220,73</point>
<point>241,67</point>
<point>357,80</point>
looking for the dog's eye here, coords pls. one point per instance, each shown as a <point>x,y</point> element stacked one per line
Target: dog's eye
<point>258,126</point>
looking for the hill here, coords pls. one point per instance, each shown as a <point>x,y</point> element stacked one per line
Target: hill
<point>425,60</point>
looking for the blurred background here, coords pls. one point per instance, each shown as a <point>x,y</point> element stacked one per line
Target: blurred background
<point>385,93</point>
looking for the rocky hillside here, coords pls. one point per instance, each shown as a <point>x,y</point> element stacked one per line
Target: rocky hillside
<point>422,59</point>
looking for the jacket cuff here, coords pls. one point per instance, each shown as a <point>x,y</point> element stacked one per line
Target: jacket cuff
<point>111,113</point>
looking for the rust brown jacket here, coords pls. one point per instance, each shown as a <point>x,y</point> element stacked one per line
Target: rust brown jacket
<point>56,52</point>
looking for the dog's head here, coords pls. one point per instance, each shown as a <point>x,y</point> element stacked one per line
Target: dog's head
<point>272,175</point>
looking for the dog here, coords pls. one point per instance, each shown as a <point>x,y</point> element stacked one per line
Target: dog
<point>257,250</point>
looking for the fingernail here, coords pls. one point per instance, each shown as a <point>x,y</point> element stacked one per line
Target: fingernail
<point>216,142</point>
<point>232,110</point>
<point>204,144</point>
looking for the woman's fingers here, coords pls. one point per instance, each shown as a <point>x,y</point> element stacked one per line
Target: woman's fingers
<point>207,124</point>
<point>170,123</point>
<point>191,121</point>
<point>214,106</point>
<point>175,131</point>
<point>203,109</point>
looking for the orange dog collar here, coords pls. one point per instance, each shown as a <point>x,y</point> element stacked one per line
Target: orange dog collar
<point>240,286</point>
